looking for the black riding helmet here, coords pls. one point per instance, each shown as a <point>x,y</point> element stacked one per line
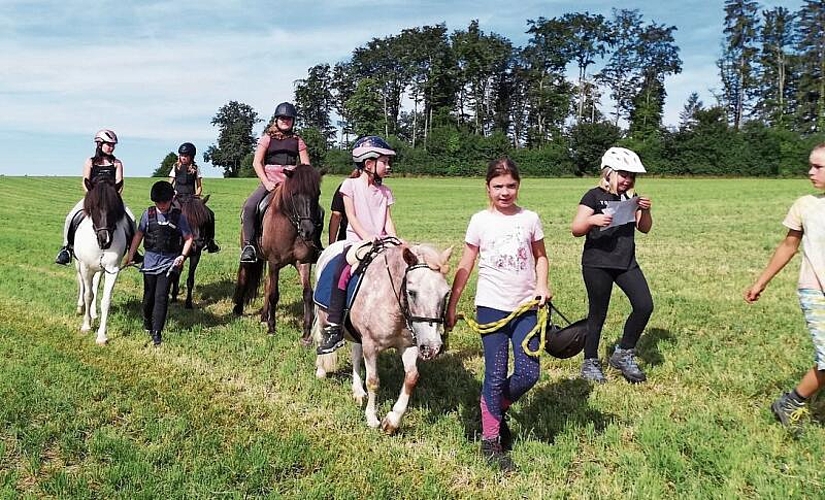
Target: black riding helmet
<point>162,191</point>
<point>286,109</point>
<point>188,149</point>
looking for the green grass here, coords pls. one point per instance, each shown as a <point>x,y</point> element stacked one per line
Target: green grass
<point>224,411</point>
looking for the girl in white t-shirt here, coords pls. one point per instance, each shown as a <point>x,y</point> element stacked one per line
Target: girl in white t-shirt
<point>508,241</point>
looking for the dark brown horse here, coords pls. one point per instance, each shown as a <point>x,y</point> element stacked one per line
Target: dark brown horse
<point>287,235</point>
<point>197,215</point>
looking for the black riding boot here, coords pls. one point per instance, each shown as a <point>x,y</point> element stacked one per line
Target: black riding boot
<point>64,256</point>
<point>333,336</point>
<point>209,234</point>
<point>248,253</point>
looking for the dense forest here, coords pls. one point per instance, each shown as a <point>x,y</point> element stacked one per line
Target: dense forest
<point>451,101</point>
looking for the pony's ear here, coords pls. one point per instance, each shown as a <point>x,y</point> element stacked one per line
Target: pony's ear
<point>409,257</point>
<point>88,184</point>
<point>445,260</point>
<point>205,199</point>
<point>288,172</point>
<point>119,185</point>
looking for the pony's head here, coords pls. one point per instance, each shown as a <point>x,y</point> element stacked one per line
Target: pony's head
<point>425,292</point>
<point>104,206</point>
<point>197,215</point>
<point>297,198</point>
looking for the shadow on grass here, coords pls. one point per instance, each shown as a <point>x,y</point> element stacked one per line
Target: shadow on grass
<point>206,294</point>
<point>183,319</point>
<point>648,347</point>
<point>554,407</point>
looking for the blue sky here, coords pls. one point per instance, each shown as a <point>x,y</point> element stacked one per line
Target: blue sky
<point>156,72</point>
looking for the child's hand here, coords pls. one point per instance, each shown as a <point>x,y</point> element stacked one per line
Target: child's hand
<point>644,203</point>
<point>178,261</point>
<point>753,293</point>
<point>601,220</point>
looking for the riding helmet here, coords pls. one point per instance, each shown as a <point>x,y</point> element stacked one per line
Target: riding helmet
<point>563,343</point>
<point>370,146</point>
<point>162,191</point>
<point>286,109</point>
<point>106,135</point>
<point>187,149</point>
<point>622,159</point>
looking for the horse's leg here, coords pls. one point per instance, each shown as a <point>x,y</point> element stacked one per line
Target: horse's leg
<point>271,300</point>
<point>393,419</point>
<point>240,290</point>
<point>358,391</point>
<point>304,270</point>
<point>88,297</point>
<point>190,279</point>
<point>371,365</point>
<point>81,290</point>
<point>108,285</point>
<point>174,288</point>
<point>95,287</point>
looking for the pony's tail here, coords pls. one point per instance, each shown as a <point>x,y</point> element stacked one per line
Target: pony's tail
<point>249,281</point>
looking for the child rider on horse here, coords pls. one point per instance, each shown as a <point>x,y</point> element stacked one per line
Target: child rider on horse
<point>279,148</point>
<point>367,203</point>
<point>167,240</point>
<point>185,177</point>
<point>508,241</point>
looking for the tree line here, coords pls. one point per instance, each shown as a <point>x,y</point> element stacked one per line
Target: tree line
<point>451,101</point>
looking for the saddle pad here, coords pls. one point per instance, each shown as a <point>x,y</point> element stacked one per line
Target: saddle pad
<point>323,289</point>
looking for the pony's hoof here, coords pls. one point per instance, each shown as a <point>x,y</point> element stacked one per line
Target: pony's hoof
<point>237,310</point>
<point>388,427</point>
<point>306,341</point>
<point>79,311</point>
<point>101,342</point>
<point>373,423</point>
<point>85,329</point>
<point>320,373</point>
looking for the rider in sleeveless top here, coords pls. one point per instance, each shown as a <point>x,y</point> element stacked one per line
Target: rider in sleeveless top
<point>278,149</point>
<point>186,178</point>
<point>102,164</point>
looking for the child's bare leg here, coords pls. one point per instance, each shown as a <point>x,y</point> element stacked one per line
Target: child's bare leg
<point>813,381</point>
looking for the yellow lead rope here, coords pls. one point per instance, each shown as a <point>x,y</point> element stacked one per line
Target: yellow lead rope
<point>540,328</point>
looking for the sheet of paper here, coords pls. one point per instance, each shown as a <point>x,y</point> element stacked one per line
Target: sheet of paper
<point>623,212</point>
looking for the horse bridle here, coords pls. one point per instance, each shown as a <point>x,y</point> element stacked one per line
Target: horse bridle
<point>402,297</point>
<point>295,219</point>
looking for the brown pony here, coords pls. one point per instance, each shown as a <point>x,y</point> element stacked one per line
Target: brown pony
<point>287,234</point>
<point>194,209</point>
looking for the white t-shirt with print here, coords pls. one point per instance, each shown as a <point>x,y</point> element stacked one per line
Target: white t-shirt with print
<point>506,266</point>
<point>807,214</point>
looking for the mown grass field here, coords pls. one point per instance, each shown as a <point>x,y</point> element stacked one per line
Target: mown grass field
<point>223,410</point>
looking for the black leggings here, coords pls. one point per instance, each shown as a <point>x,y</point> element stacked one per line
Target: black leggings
<point>599,284</point>
<point>156,299</point>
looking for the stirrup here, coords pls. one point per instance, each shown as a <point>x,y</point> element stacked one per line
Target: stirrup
<point>249,255</point>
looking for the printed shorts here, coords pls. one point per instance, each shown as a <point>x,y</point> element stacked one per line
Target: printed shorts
<point>813,307</point>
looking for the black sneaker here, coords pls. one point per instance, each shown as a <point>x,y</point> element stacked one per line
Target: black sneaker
<point>147,324</point>
<point>64,257</point>
<point>249,255</point>
<point>624,360</point>
<point>790,412</point>
<point>495,455</point>
<point>212,247</point>
<point>155,337</point>
<point>592,371</point>
<point>332,340</point>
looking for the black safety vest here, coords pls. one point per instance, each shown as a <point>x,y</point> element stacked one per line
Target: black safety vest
<point>282,151</point>
<point>103,171</point>
<point>163,237</point>
<point>185,181</point>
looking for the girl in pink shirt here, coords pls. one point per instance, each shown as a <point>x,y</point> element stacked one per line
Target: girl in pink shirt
<point>367,204</point>
<point>508,241</point>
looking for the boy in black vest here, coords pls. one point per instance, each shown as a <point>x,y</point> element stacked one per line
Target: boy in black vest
<point>168,241</point>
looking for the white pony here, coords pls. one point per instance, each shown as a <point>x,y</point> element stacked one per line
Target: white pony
<point>401,303</point>
<point>100,244</point>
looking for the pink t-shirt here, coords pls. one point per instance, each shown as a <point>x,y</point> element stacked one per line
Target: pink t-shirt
<point>371,204</point>
<point>807,214</point>
<point>275,173</point>
<point>506,266</point>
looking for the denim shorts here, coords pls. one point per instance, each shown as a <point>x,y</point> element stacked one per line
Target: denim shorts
<point>813,307</point>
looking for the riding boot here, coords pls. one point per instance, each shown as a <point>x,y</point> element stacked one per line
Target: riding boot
<point>64,257</point>
<point>248,253</point>
<point>209,234</point>
<point>333,337</point>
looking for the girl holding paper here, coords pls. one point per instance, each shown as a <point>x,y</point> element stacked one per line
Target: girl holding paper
<point>609,256</point>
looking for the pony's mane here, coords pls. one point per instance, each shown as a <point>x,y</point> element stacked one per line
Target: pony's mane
<point>304,180</point>
<point>103,197</point>
<point>195,212</point>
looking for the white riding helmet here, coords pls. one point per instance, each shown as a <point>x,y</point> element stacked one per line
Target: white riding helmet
<point>106,135</point>
<point>370,146</point>
<point>623,159</point>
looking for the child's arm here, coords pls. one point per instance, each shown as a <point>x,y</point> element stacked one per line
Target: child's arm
<point>781,256</point>
<point>585,218</point>
<point>542,291</point>
<point>644,221</point>
<point>198,186</point>
<point>462,275</point>
<point>136,239</point>
<point>187,247</point>
<point>354,223</point>
<point>389,226</point>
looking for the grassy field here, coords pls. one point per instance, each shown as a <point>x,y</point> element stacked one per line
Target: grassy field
<point>223,410</point>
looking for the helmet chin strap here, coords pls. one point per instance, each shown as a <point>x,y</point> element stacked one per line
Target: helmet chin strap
<point>376,179</point>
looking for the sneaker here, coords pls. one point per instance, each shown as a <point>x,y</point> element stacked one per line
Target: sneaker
<point>592,371</point>
<point>147,324</point>
<point>249,255</point>
<point>212,247</point>
<point>64,257</point>
<point>505,435</point>
<point>790,412</point>
<point>155,337</point>
<point>333,339</point>
<point>495,455</point>
<point>624,360</point>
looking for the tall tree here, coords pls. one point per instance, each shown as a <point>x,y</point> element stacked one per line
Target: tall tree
<point>587,40</point>
<point>687,117</point>
<point>313,98</point>
<point>621,71</point>
<point>736,65</point>
<point>811,47</point>
<point>166,165</point>
<point>658,56</point>
<point>235,121</point>
<point>776,80</point>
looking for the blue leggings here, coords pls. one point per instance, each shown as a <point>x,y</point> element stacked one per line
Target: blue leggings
<point>499,391</point>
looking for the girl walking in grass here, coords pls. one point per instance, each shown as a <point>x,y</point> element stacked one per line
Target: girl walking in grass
<point>508,241</point>
<point>609,256</point>
<point>806,225</point>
